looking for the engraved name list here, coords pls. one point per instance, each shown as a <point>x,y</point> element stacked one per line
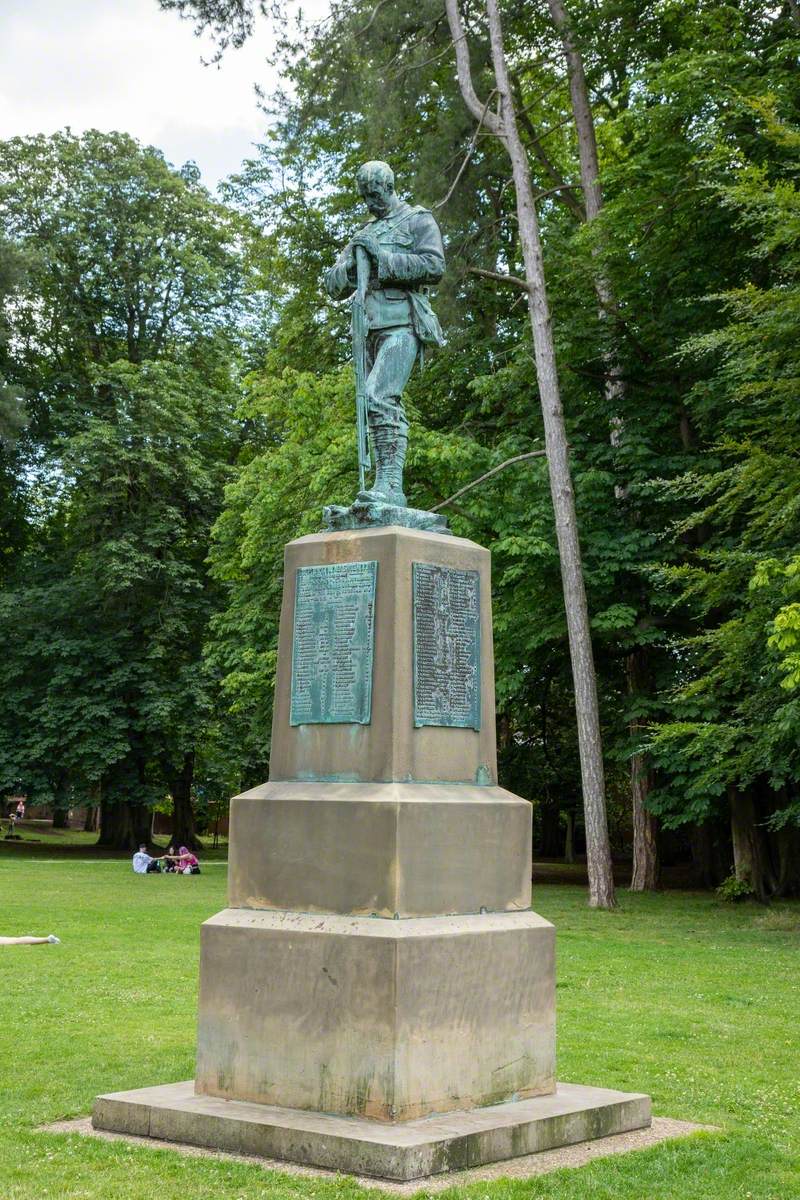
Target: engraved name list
<point>332,646</point>
<point>447,646</point>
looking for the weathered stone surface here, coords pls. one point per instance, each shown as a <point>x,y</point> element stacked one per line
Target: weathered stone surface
<point>385,1019</point>
<point>132,1116</point>
<point>380,848</point>
<point>389,748</point>
<point>413,1150</point>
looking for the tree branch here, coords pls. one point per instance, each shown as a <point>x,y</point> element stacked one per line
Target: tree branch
<point>494,471</point>
<point>418,66</point>
<point>562,187</point>
<point>553,129</point>
<point>370,22</point>
<point>470,151</point>
<point>464,72</point>
<point>500,277</point>
<point>542,157</point>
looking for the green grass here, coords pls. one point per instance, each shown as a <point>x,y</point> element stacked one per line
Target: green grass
<point>678,995</point>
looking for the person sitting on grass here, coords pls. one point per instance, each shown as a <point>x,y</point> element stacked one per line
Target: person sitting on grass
<point>144,863</point>
<point>186,862</point>
<point>170,860</point>
<point>51,939</point>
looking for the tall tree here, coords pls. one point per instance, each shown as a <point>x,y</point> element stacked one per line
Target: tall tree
<point>503,124</point>
<point>730,743</point>
<point>123,345</point>
<point>645,870</point>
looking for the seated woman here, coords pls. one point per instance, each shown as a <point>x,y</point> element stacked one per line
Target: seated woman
<point>170,860</point>
<point>187,862</point>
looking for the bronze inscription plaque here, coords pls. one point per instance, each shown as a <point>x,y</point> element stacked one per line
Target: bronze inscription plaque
<point>332,644</point>
<point>447,646</point>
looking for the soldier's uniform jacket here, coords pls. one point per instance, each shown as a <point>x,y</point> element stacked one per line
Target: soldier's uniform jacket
<point>410,258</point>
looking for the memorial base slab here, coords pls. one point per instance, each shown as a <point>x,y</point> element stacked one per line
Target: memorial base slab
<point>356,1145</point>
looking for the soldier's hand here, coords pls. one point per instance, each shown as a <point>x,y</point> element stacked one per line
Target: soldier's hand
<point>368,241</point>
<point>347,258</point>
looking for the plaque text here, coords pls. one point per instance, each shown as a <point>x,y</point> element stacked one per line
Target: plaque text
<point>334,621</point>
<point>447,646</point>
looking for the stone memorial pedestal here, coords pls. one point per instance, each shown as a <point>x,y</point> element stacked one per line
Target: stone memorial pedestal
<point>378,997</point>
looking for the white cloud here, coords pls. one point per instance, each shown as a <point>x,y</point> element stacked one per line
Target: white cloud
<point>125,64</point>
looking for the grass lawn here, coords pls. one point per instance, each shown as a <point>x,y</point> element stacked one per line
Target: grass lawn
<point>678,995</point>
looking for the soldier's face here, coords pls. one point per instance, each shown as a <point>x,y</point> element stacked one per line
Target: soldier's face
<point>377,196</point>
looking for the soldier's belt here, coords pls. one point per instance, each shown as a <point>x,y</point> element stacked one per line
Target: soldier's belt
<point>399,293</point>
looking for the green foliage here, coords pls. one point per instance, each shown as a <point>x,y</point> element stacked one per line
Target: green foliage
<point>123,347</point>
<point>13,416</point>
<point>735,708</point>
<point>12,413</point>
<point>733,889</point>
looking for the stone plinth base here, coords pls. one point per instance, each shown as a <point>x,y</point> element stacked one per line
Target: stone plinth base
<point>359,1146</point>
<point>380,849</point>
<point>387,1020</point>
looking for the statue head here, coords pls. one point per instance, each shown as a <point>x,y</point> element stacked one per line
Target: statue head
<point>376,185</point>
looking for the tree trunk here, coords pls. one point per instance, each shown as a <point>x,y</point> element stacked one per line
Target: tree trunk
<point>184,830</point>
<point>646,867</point>
<point>788,846</point>
<point>550,831</point>
<point>613,387</point>
<point>124,826</point>
<point>582,113</point>
<point>569,837</point>
<point>115,825</point>
<point>92,823</point>
<point>61,802</point>
<point>700,844</point>
<point>748,852</point>
<point>504,126</point>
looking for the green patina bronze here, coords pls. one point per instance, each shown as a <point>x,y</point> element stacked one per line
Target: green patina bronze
<point>332,644</point>
<point>387,268</point>
<point>447,646</point>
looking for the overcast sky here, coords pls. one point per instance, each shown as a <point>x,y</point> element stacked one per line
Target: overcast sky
<point>125,64</point>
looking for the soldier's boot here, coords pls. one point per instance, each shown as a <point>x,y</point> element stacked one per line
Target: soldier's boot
<point>389,448</point>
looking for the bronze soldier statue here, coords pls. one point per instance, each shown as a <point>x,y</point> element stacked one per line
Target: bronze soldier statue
<point>388,268</point>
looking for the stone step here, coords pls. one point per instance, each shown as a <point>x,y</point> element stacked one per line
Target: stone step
<point>411,1150</point>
